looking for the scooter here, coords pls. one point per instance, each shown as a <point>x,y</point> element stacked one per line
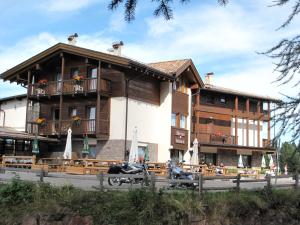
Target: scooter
<point>125,168</point>
<point>177,173</point>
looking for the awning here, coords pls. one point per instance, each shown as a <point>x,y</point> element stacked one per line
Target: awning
<point>206,149</point>
<point>11,133</point>
<point>243,152</point>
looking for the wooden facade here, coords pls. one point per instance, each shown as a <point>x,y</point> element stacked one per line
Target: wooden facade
<point>214,113</point>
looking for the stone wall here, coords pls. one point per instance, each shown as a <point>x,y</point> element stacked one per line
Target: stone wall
<point>227,157</point>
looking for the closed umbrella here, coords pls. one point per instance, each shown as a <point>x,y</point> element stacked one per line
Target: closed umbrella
<point>263,162</point>
<point>195,159</point>
<point>68,148</point>
<point>133,155</point>
<point>35,146</point>
<point>271,162</point>
<point>240,163</point>
<point>147,157</point>
<point>86,147</point>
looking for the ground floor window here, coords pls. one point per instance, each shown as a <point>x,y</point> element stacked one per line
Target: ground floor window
<point>177,155</point>
<point>247,160</point>
<point>210,158</point>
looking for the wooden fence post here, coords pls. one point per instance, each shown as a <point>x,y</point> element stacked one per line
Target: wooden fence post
<point>268,177</point>
<point>238,182</point>
<point>296,180</point>
<point>152,182</point>
<point>200,185</point>
<point>101,179</point>
<point>41,175</point>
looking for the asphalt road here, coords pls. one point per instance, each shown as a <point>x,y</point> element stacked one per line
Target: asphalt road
<point>89,182</point>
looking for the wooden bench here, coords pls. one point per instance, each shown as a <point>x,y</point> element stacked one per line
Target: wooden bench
<point>18,161</point>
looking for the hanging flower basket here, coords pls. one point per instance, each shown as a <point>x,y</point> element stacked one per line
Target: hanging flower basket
<point>42,83</point>
<point>41,121</point>
<point>78,79</point>
<point>76,120</point>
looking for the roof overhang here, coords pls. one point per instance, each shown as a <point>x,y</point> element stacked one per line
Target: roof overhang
<point>13,73</point>
<point>190,65</point>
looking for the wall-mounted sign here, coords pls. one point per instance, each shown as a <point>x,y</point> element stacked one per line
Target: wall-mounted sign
<point>179,141</point>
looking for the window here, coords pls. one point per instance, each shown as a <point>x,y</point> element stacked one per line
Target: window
<point>210,158</point>
<point>74,72</point>
<point>183,121</point>
<point>92,72</point>
<point>209,99</point>
<point>174,85</point>
<point>223,100</point>
<point>91,113</point>
<point>246,160</point>
<point>173,122</point>
<point>72,111</point>
<point>176,155</point>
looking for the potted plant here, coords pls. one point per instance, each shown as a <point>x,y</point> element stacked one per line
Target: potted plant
<point>41,121</point>
<point>78,79</point>
<point>76,120</point>
<point>42,83</point>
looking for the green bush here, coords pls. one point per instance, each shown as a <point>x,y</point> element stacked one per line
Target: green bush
<point>16,192</point>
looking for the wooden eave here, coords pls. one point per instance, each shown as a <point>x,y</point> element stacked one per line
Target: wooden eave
<point>13,73</point>
<point>241,94</point>
<point>235,147</point>
<point>190,64</point>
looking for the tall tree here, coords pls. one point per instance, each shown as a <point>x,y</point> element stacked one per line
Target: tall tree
<point>163,7</point>
<point>286,54</point>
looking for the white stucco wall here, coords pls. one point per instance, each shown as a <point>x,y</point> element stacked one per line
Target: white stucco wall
<point>15,114</point>
<point>187,155</point>
<point>152,121</point>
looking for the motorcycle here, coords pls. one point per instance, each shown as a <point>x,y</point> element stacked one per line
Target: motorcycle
<point>177,173</point>
<point>125,168</point>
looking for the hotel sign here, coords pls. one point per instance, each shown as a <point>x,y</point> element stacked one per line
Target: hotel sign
<point>179,138</point>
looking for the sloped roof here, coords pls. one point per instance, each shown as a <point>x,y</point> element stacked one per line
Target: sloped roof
<point>11,133</point>
<point>66,48</point>
<point>176,67</point>
<point>170,67</point>
<point>219,89</point>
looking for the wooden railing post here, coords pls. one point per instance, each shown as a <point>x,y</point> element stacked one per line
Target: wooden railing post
<point>238,182</point>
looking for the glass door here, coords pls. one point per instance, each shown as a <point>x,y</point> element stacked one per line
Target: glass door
<point>91,115</point>
<point>92,77</point>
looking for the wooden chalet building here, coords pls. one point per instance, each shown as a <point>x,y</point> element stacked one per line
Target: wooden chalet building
<point>104,97</point>
<point>228,123</point>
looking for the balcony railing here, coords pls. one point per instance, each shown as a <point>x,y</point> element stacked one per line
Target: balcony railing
<point>51,88</point>
<point>83,126</point>
<point>215,138</point>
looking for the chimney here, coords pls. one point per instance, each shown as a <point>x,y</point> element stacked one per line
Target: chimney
<point>116,48</point>
<point>209,79</point>
<point>73,39</point>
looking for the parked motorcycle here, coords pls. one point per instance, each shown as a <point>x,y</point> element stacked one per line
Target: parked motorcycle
<point>177,173</point>
<point>125,168</point>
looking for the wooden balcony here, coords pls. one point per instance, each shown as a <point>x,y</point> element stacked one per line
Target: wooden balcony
<point>52,88</point>
<point>81,127</point>
<point>214,138</point>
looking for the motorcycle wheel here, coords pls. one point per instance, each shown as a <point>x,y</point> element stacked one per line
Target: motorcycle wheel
<point>114,181</point>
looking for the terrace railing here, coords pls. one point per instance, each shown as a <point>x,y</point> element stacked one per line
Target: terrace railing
<point>52,88</point>
<point>213,138</point>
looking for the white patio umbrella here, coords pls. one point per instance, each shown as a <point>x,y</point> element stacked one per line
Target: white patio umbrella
<point>68,148</point>
<point>263,162</point>
<point>240,163</point>
<point>271,162</point>
<point>133,154</point>
<point>194,159</point>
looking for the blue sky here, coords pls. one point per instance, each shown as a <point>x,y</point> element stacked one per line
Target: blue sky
<point>223,40</point>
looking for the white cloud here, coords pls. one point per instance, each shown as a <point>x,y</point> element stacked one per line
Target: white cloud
<point>65,5</point>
